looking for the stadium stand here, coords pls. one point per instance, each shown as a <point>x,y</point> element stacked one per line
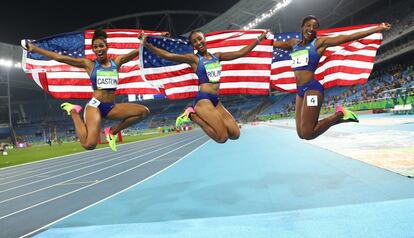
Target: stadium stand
<point>398,76</point>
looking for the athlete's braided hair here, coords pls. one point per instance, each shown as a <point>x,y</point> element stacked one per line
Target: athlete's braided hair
<point>192,32</point>
<point>307,18</point>
<point>99,34</point>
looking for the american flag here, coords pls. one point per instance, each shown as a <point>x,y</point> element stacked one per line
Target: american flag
<point>175,80</point>
<point>348,64</point>
<point>64,81</point>
<point>247,75</point>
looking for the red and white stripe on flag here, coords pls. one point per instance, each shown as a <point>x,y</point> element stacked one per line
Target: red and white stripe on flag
<point>64,81</point>
<point>246,75</point>
<point>249,74</point>
<point>347,64</point>
<point>344,65</point>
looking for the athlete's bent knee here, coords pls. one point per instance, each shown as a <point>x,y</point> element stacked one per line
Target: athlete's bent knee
<point>308,135</point>
<point>221,140</point>
<point>147,111</point>
<point>89,146</point>
<point>143,112</point>
<point>234,136</point>
<point>300,135</point>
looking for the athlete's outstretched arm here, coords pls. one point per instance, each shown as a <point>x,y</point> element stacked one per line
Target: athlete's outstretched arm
<point>185,58</point>
<point>223,56</point>
<point>285,45</point>
<point>325,42</point>
<point>76,62</point>
<point>122,59</point>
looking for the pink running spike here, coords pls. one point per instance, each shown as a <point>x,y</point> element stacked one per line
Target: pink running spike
<point>189,110</point>
<point>77,108</point>
<point>107,131</point>
<point>339,108</point>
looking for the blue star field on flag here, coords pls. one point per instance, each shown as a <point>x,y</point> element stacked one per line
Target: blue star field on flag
<point>70,44</point>
<point>177,46</point>
<point>281,54</point>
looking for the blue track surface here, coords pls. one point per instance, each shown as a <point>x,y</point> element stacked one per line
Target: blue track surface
<point>266,184</point>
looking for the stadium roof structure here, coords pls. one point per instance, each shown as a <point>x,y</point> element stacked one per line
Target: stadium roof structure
<point>166,20</point>
<point>329,12</point>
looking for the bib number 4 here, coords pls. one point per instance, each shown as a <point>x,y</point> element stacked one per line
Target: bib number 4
<point>312,101</point>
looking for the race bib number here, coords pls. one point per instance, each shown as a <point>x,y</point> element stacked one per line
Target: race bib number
<point>106,79</point>
<point>312,101</point>
<point>94,102</point>
<point>300,58</point>
<point>213,71</point>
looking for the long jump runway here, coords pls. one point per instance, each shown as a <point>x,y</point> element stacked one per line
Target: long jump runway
<point>266,184</point>
<point>35,195</point>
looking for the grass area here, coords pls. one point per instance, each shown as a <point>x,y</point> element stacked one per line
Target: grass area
<point>44,151</point>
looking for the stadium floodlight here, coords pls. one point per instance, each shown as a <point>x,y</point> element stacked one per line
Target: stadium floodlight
<point>267,14</point>
<point>6,63</point>
<point>9,63</point>
<point>18,65</point>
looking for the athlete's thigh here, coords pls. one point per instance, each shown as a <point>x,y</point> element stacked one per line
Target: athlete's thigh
<point>298,113</point>
<point>124,110</point>
<point>92,119</point>
<point>229,120</point>
<point>311,107</point>
<point>208,113</point>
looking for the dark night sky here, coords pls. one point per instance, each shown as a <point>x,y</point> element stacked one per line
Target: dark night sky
<point>38,19</point>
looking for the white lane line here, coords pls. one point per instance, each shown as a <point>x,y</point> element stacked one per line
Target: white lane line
<point>28,167</point>
<point>76,183</point>
<point>122,155</point>
<point>33,170</point>
<point>94,172</point>
<point>86,162</point>
<point>58,163</point>
<point>14,167</point>
<point>82,152</point>
<point>90,185</point>
<point>75,163</point>
<point>92,165</point>
<point>102,200</point>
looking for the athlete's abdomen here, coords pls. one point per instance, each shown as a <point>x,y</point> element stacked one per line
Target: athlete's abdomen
<point>303,76</point>
<point>106,96</point>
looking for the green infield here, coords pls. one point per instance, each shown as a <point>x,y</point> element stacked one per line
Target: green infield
<point>44,151</point>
